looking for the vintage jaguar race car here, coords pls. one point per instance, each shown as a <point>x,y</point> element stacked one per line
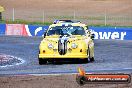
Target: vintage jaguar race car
<point>66,40</point>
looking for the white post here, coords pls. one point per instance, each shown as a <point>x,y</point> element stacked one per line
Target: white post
<point>43,16</point>
<point>13,14</point>
<point>74,16</point>
<point>105,18</point>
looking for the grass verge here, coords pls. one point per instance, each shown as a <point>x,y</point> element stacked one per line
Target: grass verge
<point>19,21</point>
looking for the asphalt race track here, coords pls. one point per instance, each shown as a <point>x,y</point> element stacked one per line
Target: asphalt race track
<point>110,56</point>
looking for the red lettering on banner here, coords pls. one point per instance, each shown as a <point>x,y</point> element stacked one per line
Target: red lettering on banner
<point>16,29</point>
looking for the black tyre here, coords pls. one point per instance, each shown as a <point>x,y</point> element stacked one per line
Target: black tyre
<point>85,60</point>
<point>90,58</point>
<point>42,61</point>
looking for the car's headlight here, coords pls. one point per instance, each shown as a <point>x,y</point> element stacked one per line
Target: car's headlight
<point>50,46</point>
<point>74,46</point>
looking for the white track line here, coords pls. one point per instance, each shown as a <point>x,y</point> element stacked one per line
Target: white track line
<point>22,61</point>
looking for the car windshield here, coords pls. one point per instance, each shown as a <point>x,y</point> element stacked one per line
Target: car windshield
<point>66,30</point>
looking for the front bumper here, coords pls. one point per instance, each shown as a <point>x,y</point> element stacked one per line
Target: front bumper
<point>44,56</point>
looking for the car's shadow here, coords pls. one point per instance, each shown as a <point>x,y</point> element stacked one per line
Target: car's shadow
<point>67,62</point>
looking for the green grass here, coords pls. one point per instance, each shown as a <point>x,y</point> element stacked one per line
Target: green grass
<point>19,21</point>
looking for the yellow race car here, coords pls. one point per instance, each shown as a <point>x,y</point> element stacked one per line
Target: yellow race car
<point>66,40</point>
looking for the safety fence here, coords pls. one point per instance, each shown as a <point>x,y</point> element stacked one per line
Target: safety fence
<point>92,18</point>
<point>121,33</point>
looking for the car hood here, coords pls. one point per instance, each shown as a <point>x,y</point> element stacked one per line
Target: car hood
<point>55,38</point>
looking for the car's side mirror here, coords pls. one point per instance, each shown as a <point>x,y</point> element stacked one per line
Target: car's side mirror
<point>92,36</point>
<point>44,35</point>
<point>87,27</point>
<point>86,31</point>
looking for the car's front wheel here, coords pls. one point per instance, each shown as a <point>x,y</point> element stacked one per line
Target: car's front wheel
<point>89,57</point>
<point>42,61</point>
<point>85,60</point>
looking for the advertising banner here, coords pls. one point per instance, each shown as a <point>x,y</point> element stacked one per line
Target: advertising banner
<point>34,30</point>
<point>16,29</point>
<point>121,33</point>
<point>2,29</point>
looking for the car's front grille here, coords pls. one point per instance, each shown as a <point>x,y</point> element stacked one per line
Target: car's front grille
<point>62,47</point>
